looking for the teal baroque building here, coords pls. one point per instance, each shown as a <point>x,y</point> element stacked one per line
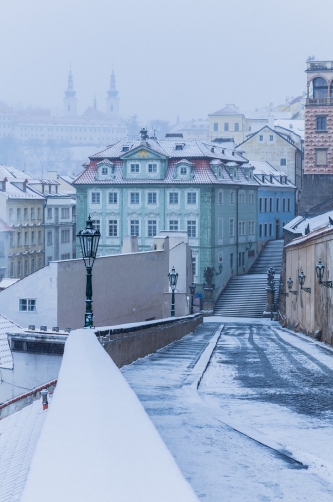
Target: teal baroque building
<point>141,187</point>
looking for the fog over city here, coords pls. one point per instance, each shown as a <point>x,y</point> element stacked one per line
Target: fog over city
<point>171,58</point>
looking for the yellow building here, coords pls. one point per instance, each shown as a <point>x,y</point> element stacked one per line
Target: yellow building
<point>22,210</point>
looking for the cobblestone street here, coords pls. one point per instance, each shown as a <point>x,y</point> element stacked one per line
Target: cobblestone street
<point>260,425</point>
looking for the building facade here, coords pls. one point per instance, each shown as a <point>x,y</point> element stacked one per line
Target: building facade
<point>280,150</point>
<point>138,188</point>
<point>318,145</point>
<point>277,201</point>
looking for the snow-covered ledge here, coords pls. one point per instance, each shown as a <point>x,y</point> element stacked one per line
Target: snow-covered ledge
<point>97,442</point>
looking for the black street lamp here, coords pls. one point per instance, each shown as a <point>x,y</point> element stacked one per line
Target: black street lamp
<point>290,283</point>
<point>173,278</point>
<point>301,278</point>
<point>192,291</point>
<point>320,274</point>
<point>89,238</point>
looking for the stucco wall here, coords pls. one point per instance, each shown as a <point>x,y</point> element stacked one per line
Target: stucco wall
<point>313,311</point>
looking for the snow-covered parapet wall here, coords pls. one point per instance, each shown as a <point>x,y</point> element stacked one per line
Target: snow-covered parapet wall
<point>97,442</point>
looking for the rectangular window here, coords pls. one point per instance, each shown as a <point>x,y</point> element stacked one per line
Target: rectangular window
<point>135,168</point>
<point>183,170</point>
<point>19,238</point>
<point>33,265</point>
<point>216,126</point>
<point>113,197</point>
<point>65,256</point>
<point>96,224</point>
<point>241,197</point>
<point>260,230</point>
<point>32,213</point>
<point>10,213</point>
<point>18,213</point>
<point>104,170</point>
<point>40,263</point>
<point>236,126</point>
<point>241,228</point>
<point>277,204</point>
<point>289,204</point>
<point>173,225</point>
<point>39,213</point>
<point>265,230</point>
<point>321,156</point>
<point>152,228</point>
<point>191,197</point>
<point>231,260</point>
<point>134,224</point>
<point>113,228</point>
<point>40,237</point>
<point>26,267</point>
<point>260,204</point>
<point>27,305</point>
<point>232,197</point>
<point>251,197</point>
<point>26,238</point>
<point>135,197</point>
<point>49,238</point>
<point>192,228</point>
<point>152,197</point>
<point>220,228</point>
<point>265,204</point>
<point>95,198</point>
<point>283,204</point>
<point>33,237</point>
<point>270,205</point>
<point>194,265</point>
<point>231,227</point>
<point>173,198</point>
<point>12,269</point>
<point>220,196</point>
<point>49,213</point>
<point>251,227</point>
<point>19,268</point>
<point>65,236</point>
<point>241,259</point>
<point>64,213</point>
<point>271,137</point>
<point>11,239</point>
<point>321,124</point>
<point>25,213</point>
<point>226,126</point>
<point>152,168</point>
<point>283,162</point>
<point>261,137</point>
<point>270,229</point>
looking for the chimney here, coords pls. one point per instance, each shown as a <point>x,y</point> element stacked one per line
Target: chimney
<point>3,183</point>
<point>45,402</point>
<point>24,188</point>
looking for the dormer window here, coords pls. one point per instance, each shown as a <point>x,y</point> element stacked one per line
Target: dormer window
<point>105,170</point>
<point>179,146</point>
<point>125,148</point>
<point>183,171</point>
<point>152,168</point>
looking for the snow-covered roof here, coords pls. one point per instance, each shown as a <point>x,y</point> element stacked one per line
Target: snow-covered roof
<point>294,126</point>
<point>318,232</point>
<point>272,177</point>
<point>19,434</point>
<point>6,358</point>
<point>300,223</point>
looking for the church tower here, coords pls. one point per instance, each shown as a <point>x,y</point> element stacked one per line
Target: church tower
<point>70,99</point>
<point>112,100</point>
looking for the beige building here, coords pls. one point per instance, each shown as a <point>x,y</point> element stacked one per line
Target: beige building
<point>280,150</point>
<point>310,309</point>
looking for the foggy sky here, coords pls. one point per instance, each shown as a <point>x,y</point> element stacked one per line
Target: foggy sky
<point>171,57</point>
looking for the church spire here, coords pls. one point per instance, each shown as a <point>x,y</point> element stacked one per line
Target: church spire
<point>70,93</point>
<point>112,92</point>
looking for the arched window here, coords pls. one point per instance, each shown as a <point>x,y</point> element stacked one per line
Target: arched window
<point>320,88</point>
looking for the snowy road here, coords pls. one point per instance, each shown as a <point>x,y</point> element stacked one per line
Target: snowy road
<point>260,425</point>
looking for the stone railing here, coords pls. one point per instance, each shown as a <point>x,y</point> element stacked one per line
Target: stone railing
<point>129,342</point>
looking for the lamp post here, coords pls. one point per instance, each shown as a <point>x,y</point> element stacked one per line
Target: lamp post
<point>89,238</point>
<point>192,291</point>
<point>173,278</point>
<point>282,288</point>
<point>301,278</point>
<point>290,283</point>
<point>320,274</point>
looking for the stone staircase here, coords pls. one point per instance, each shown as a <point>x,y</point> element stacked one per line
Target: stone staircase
<point>245,295</point>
